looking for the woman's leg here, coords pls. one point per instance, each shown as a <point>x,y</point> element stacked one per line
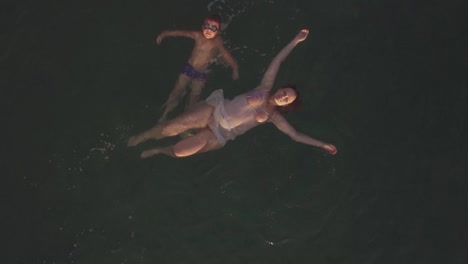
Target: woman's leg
<point>204,141</point>
<point>153,133</point>
<point>162,150</point>
<point>197,117</point>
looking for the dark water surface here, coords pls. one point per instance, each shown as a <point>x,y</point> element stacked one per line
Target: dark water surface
<point>385,81</point>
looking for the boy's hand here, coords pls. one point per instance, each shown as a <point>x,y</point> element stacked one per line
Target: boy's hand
<point>302,35</point>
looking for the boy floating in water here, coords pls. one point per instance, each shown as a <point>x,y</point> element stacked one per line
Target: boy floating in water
<point>208,46</point>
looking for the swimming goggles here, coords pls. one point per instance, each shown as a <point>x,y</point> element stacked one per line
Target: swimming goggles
<point>211,27</point>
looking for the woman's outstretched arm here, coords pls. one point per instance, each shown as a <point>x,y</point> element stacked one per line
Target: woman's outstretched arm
<point>283,125</point>
<point>269,77</point>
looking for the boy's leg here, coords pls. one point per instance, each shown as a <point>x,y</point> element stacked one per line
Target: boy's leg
<point>177,93</point>
<point>193,97</point>
<point>195,92</point>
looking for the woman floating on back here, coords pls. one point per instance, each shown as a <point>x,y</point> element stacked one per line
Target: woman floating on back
<point>219,120</point>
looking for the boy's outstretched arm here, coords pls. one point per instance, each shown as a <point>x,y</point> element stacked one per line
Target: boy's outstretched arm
<point>270,74</point>
<point>175,33</point>
<point>229,59</point>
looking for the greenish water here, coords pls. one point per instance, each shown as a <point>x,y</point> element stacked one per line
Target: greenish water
<point>384,81</point>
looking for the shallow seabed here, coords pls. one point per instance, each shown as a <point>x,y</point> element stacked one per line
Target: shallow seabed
<point>385,81</point>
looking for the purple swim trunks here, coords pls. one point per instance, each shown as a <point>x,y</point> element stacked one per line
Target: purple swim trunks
<point>194,74</point>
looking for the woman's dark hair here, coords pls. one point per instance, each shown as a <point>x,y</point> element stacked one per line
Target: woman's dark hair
<point>215,18</point>
<point>295,105</point>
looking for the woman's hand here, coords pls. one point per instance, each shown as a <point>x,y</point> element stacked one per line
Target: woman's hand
<point>302,35</point>
<point>330,148</point>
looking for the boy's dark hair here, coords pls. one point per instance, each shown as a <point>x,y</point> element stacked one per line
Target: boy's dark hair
<point>214,17</point>
<point>295,105</point>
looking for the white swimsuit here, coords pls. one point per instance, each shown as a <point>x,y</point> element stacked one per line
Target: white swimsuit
<point>232,118</point>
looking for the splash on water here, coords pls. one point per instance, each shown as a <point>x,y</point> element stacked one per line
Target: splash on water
<point>76,160</point>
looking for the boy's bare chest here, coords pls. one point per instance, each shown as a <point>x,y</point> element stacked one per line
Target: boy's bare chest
<point>206,46</point>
